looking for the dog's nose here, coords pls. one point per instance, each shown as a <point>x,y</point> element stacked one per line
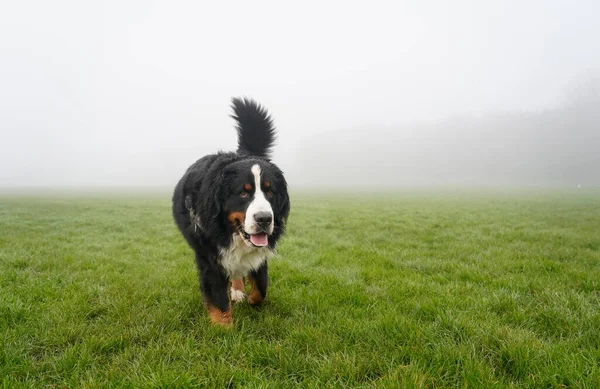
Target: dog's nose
<point>263,219</point>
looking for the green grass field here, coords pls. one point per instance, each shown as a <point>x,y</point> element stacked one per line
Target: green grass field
<point>446,289</point>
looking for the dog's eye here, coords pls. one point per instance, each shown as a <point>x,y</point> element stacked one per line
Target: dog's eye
<point>244,195</point>
<point>269,194</point>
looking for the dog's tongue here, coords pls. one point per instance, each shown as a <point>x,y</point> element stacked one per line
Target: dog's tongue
<point>259,239</point>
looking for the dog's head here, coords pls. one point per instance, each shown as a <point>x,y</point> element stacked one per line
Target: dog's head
<point>248,198</point>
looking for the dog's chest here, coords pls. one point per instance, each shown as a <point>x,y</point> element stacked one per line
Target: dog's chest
<point>238,260</point>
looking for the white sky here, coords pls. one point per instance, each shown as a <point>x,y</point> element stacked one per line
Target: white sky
<point>132,92</point>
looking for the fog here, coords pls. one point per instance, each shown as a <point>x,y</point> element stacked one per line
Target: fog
<point>377,94</point>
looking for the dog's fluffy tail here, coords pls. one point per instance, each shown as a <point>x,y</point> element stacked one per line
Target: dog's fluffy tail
<point>256,133</point>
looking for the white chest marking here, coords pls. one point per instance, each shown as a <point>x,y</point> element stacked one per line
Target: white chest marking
<point>239,259</point>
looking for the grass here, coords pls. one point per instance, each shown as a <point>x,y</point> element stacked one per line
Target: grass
<point>450,289</point>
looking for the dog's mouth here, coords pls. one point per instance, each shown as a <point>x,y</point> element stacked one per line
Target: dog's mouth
<point>257,240</point>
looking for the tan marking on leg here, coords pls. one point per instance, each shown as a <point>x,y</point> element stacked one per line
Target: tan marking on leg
<point>238,290</point>
<point>219,317</point>
<point>238,284</point>
<point>255,298</point>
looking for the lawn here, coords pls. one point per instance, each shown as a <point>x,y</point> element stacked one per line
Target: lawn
<point>407,289</point>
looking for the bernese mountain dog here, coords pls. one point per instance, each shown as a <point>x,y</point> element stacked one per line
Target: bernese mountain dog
<point>232,209</point>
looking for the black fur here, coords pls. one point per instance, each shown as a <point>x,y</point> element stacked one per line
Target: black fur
<point>209,193</point>
<point>261,279</point>
<point>256,133</point>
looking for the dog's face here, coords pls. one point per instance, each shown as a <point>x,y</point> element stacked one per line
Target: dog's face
<point>253,201</point>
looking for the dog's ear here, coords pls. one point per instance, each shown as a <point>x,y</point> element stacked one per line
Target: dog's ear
<point>282,206</point>
<point>210,204</point>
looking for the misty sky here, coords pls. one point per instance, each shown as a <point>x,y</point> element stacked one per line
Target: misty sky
<point>132,92</point>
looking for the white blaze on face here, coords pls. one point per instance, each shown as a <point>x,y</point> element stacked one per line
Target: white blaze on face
<point>259,204</point>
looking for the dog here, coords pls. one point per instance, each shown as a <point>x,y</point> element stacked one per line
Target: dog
<point>232,209</point>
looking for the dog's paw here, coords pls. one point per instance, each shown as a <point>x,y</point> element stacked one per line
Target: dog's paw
<point>237,295</point>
